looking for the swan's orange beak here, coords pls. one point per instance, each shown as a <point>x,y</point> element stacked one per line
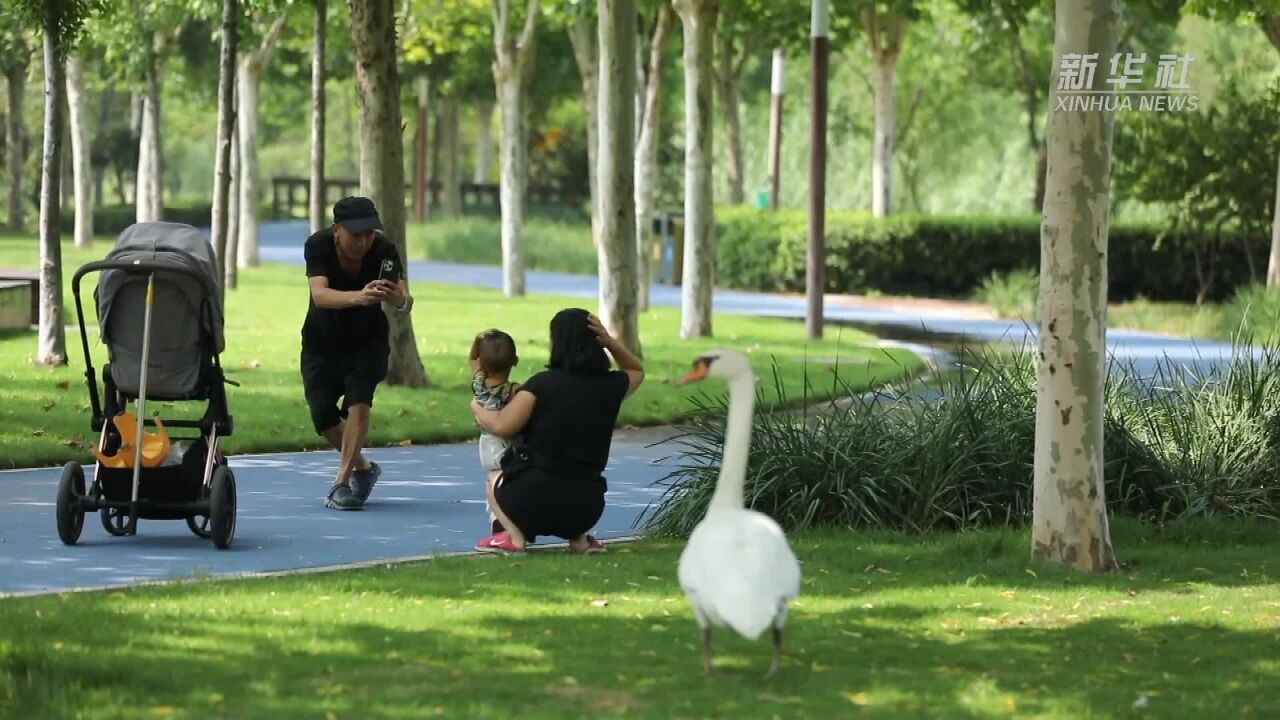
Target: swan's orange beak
<point>699,372</point>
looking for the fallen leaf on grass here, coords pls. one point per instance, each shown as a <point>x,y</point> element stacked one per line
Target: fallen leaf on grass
<point>855,698</point>
<point>64,384</point>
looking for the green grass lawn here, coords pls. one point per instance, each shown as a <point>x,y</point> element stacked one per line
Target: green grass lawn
<point>954,626</point>
<point>45,416</point>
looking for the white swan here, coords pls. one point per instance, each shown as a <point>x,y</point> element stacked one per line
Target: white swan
<point>737,569</point>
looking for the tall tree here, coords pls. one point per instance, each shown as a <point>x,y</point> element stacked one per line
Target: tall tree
<point>698,18</point>
<point>886,26</point>
<point>52,348</point>
<point>82,169</point>
<point>616,154</point>
<point>448,45</point>
<point>741,33</point>
<point>1011,44</point>
<point>226,127</point>
<point>1266,15</point>
<point>1069,518</point>
<point>484,142</point>
<point>646,172</point>
<point>583,37</point>
<point>60,22</point>
<point>15,56</point>
<point>136,37</point>
<point>511,76</point>
<point>316,210</point>
<point>252,61</point>
<point>373,36</point>
<point>149,185</point>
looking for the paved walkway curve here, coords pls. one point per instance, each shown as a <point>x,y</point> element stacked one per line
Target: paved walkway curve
<point>429,499</point>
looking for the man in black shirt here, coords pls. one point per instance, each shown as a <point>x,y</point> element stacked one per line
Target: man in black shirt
<point>353,271</point>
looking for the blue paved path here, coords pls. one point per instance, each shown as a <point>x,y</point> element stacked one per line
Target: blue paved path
<point>429,499</point>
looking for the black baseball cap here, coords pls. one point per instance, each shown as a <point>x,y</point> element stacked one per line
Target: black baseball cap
<point>356,214</point>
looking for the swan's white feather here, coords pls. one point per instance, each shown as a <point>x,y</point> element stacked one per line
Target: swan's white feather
<point>739,571</point>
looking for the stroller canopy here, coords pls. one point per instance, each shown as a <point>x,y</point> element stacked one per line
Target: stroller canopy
<point>187,320</point>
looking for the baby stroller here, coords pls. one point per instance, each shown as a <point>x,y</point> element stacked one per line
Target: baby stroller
<point>159,303</point>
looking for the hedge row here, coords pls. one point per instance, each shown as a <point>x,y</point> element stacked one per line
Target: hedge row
<point>951,256</point>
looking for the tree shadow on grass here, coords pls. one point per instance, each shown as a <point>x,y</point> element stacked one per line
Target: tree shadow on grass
<point>243,659</point>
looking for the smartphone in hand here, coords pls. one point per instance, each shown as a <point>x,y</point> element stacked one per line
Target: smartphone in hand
<point>387,271</point>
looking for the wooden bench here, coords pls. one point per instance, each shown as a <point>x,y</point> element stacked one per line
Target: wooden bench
<point>15,281</point>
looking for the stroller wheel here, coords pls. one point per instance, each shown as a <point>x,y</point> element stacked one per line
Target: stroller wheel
<point>222,507</point>
<point>115,521</point>
<point>199,524</point>
<point>70,513</point>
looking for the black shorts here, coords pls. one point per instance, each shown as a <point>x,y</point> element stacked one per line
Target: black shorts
<point>540,503</point>
<point>352,375</point>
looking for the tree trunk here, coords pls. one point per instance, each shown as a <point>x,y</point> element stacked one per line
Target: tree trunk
<point>16,145</point>
<point>726,74</point>
<point>229,273</point>
<point>1273,260</point>
<point>82,170</point>
<point>510,74</point>
<point>420,142</point>
<point>226,126</point>
<point>885,45</point>
<point>247,77</point>
<point>373,34</point>
<point>886,127</point>
<point>66,176</point>
<point>616,156</point>
<point>585,51</point>
<point>450,192</point>
<point>647,155</point>
<point>699,20</point>
<point>1042,168</point>
<point>148,188</point>
<point>104,119</point>
<point>248,81</point>
<point>52,342</point>
<point>1069,524</point>
<point>484,142</point>
<point>317,202</point>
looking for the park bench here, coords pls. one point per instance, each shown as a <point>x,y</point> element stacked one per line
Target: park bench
<point>19,298</point>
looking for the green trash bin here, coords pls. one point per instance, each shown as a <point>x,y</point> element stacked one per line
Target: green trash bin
<point>762,200</point>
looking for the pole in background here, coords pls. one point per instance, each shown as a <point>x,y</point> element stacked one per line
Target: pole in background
<point>775,128</point>
<point>815,275</point>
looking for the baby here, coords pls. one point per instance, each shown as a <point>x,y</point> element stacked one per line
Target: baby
<point>493,354</point>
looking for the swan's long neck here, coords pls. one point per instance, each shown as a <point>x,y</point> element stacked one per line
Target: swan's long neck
<point>729,493</point>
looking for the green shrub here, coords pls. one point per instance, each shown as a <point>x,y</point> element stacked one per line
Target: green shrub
<point>952,256</point>
<point>1174,448</point>
<point>113,219</point>
<point>1013,294</point>
<point>555,245</point>
<point>1255,311</point>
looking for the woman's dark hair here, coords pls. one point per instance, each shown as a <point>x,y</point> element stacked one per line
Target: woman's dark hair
<point>573,346</point>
